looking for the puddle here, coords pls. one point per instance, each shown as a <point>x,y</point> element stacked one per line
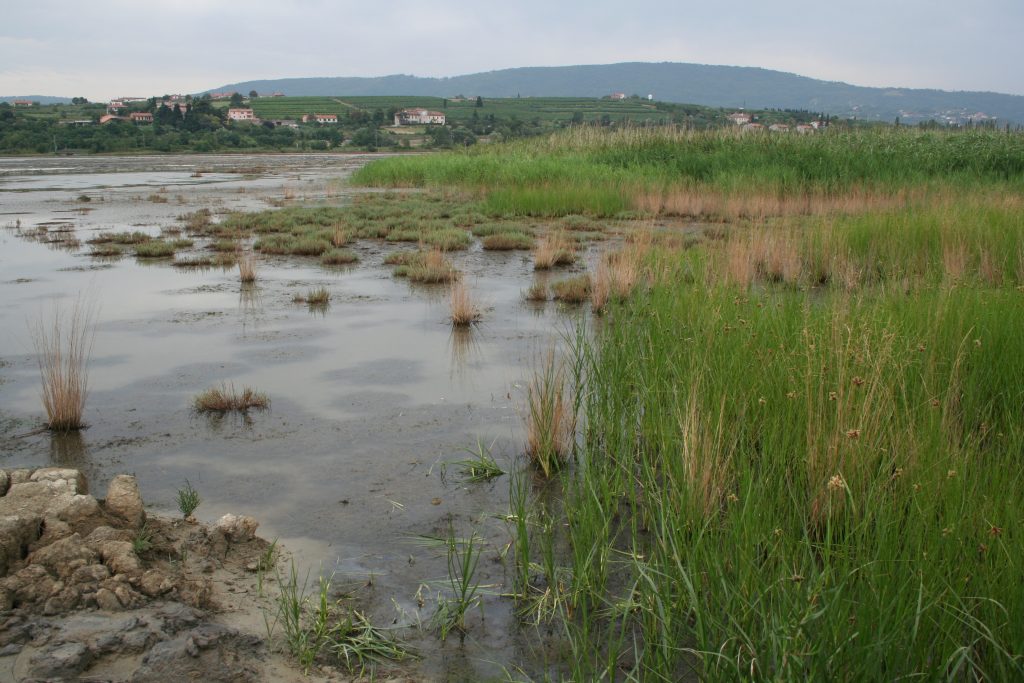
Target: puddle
<point>370,396</point>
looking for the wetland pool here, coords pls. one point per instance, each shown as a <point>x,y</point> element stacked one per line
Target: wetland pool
<point>370,396</point>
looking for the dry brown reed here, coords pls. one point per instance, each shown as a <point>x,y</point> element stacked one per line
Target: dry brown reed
<point>225,398</point>
<point>573,290</point>
<point>554,249</point>
<point>538,291</point>
<point>955,259</point>
<point>247,268</point>
<point>431,268</point>
<point>64,345</point>
<point>464,311</point>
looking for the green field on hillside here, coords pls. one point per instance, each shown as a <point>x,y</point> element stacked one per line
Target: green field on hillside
<point>544,108</point>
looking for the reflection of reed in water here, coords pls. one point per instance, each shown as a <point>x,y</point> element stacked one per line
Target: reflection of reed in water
<point>464,347</point>
<point>250,299</point>
<point>67,449</point>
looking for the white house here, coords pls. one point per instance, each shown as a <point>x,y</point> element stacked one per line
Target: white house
<point>240,114</point>
<point>779,128</point>
<point>411,117</point>
<point>320,118</point>
<point>739,118</point>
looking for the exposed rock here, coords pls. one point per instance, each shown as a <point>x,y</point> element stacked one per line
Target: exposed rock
<point>30,584</point>
<point>106,600</point>
<point>63,661</point>
<point>120,557</point>
<point>79,509</point>
<point>17,533</point>
<point>123,500</point>
<point>93,573</point>
<point>218,652</point>
<point>105,533</point>
<point>63,557</point>
<point>5,482</point>
<point>155,583</point>
<point>61,478</point>
<point>237,527</point>
<point>20,476</point>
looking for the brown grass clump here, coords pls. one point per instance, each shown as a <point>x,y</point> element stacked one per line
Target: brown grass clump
<point>225,398</point>
<point>600,286</point>
<point>554,249</point>
<point>538,291</point>
<point>340,237</point>
<point>432,268</point>
<point>464,309</point>
<point>955,260</point>
<point>320,296</point>
<point>64,346</point>
<point>550,426</point>
<point>572,290</point>
<point>247,268</point>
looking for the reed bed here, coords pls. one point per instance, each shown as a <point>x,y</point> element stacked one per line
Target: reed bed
<point>550,423</point>
<point>554,249</point>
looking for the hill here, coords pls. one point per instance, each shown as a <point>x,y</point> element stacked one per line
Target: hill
<point>41,99</point>
<point>714,86</point>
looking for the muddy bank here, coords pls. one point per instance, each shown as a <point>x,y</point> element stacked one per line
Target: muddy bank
<point>97,589</point>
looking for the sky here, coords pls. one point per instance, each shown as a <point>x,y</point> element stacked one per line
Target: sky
<point>103,49</point>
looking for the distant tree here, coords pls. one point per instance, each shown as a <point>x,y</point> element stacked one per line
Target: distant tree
<point>445,103</point>
<point>237,100</point>
<point>253,94</point>
<point>577,118</point>
<point>79,100</point>
<point>479,101</point>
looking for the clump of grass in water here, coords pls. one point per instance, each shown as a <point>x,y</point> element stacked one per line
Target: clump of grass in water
<point>549,420</point>
<point>432,268</point>
<point>481,467</point>
<point>247,268</point>
<point>312,629</point>
<point>188,500</point>
<point>154,249</point>
<point>572,290</point>
<point>463,558</point>
<point>464,310</point>
<point>320,296</point>
<point>507,241</point>
<point>538,291</point>
<point>225,399</point>
<point>554,249</point>
<point>338,257</point>
<point>64,345</point>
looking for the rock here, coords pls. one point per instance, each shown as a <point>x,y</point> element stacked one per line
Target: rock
<point>63,661</point>
<point>79,509</point>
<point>124,500</point>
<point>5,482</point>
<point>30,584</point>
<point>11,650</point>
<point>17,533</point>
<point>155,583</point>
<point>106,600</point>
<point>63,557</point>
<point>19,476</point>
<point>61,478</point>
<point>128,598</point>
<point>237,527</point>
<point>93,573</point>
<point>120,557</point>
<point>53,530</point>
<point>102,534</point>
<point>65,601</point>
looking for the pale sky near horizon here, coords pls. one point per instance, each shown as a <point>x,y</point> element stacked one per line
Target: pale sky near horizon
<point>109,48</point>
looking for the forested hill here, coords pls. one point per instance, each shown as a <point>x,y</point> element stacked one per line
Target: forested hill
<point>716,86</point>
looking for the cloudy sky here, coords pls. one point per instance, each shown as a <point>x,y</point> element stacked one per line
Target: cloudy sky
<point>106,48</point>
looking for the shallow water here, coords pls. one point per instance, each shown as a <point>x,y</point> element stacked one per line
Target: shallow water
<point>369,397</point>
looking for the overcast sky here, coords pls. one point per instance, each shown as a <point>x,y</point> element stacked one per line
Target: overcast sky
<point>107,48</point>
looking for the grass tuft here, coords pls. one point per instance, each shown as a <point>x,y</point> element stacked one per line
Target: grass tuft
<point>225,398</point>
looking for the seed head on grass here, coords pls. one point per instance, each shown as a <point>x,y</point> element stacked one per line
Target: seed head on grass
<point>64,346</point>
<point>225,398</point>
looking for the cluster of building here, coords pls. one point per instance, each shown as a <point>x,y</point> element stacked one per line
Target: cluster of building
<point>746,123</point>
<point>414,116</point>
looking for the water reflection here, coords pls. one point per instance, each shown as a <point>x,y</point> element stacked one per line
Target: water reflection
<point>68,449</point>
<point>464,347</point>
